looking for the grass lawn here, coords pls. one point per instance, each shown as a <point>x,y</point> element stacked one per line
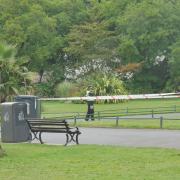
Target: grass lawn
<point>56,109</point>
<point>91,162</point>
<point>59,107</point>
<point>138,124</point>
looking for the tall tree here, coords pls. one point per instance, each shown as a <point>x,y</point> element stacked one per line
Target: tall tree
<point>147,30</point>
<point>37,29</point>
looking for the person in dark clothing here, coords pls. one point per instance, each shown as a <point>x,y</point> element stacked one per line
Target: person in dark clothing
<point>90,103</point>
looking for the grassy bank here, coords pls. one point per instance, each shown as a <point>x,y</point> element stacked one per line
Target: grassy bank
<point>35,161</point>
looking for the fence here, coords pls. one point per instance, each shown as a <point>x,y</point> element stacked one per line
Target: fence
<point>121,112</point>
<point>118,113</point>
<point>118,119</point>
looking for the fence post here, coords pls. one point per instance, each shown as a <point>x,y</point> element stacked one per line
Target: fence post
<point>78,115</point>
<point>152,113</point>
<point>161,122</point>
<point>117,121</point>
<point>99,116</point>
<point>75,120</point>
<point>127,110</point>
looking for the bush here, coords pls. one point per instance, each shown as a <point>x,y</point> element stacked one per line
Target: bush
<point>104,85</point>
<point>67,89</point>
<point>44,89</point>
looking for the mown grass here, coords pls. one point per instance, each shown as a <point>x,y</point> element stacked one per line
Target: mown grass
<point>56,107</point>
<point>91,162</point>
<point>138,124</point>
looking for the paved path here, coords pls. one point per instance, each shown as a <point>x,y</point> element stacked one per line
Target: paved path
<point>122,137</point>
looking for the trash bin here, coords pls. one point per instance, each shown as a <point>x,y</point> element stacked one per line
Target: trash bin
<point>14,127</point>
<point>33,105</point>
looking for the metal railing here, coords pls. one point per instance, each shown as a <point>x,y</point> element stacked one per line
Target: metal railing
<point>122,112</point>
<point>117,119</point>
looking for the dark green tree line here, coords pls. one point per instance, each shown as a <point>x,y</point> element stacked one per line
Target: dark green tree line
<point>137,40</point>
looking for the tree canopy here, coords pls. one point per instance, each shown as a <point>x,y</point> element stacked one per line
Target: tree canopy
<point>136,40</point>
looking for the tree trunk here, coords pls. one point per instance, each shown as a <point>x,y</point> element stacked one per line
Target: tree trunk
<point>41,72</point>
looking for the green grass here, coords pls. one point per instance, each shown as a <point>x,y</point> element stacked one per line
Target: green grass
<point>138,124</point>
<point>59,107</point>
<point>91,162</point>
<point>69,109</point>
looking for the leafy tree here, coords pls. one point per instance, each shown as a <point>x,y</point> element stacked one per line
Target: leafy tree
<point>37,29</point>
<point>174,81</point>
<point>137,38</point>
<point>92,47</point>
<point>149,28</point>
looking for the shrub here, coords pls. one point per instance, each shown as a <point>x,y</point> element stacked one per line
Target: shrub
<point>67,89</point>
<point>44,89</point>
<point>104,85</point>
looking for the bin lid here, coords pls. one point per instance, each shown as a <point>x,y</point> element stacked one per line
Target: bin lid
<point>26,97</point>
<point>9,103</point>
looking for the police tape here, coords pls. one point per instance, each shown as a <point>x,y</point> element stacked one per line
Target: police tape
<point>117,97</point>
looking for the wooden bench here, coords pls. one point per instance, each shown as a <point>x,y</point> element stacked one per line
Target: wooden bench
<point>38,126</point>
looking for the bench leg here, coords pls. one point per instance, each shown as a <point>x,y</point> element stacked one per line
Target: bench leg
<point>77,141</point>
<point>67,140</point>
<point>35,136</point>
<point>40,139</point>
<point>71,137</point>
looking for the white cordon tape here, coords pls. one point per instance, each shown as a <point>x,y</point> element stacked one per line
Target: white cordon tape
<point>117,97</point>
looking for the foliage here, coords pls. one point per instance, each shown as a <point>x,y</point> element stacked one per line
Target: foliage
<point>106,85</point>
<point>75,38</point>
<point>13,74</point>
<point>174,63</point>
<point>149,28</point>
<point>38,29</point>
<point>103,84</point>
<point>44,89</point>
<point>67,89</point>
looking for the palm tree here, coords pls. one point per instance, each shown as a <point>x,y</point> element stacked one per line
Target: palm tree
<point>13,74</point>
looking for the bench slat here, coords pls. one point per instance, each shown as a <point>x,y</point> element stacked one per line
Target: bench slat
<point>50,124</point>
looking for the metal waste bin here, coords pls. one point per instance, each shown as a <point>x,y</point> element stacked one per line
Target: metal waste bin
<point>33,105</point>
<point>14,127</point>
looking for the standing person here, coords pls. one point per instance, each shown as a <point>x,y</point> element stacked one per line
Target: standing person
<point>90,103</point>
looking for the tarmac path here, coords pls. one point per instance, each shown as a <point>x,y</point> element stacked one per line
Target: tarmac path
<point>122,137</point>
